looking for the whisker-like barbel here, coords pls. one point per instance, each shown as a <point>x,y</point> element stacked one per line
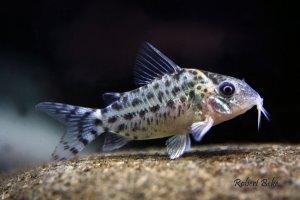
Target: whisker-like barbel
<point>261,109</point>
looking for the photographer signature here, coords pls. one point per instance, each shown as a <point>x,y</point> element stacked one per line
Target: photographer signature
<point>249,182</point>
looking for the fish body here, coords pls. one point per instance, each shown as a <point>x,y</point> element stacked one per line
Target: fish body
<point>159,109</point>
<point>172,101</point>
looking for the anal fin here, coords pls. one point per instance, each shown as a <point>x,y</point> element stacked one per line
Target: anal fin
<point>113,141</point>
<point>177,145</point>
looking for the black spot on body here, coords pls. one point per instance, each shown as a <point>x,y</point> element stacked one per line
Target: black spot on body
<point>116,106</point>
<point>104,110</point>
<point>66,147</point>
<point>184,86</point>
<point>98,122</point>
<point>170,103</point>
<point>74,150</point>
<point>192,94</point>
<point>106,129</point>
<point>121,127</point>
<point>160,96</point>
<point>179,110</point>
<point>167,83</point>
<point>112,119</point>
<point>125,99</point>
<point>175,90</point>
<point>165,115</point>
<point>197,78</point>
<point>128,116</point>
<point>136,102</point>
<point>191,84</point>
<point>148,121</point>
<point>150,95</point>
<point>177,76</point>
<point>135,137</point>
<point>191,71</point>
<point>205,90</point>
<point>156,86</point>
<point>154,108</point>
<point>182,99</point>
<point>142,113</point>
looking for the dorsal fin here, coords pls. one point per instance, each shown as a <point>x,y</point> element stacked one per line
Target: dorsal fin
<point>151,64</point>
<point>111,97</point>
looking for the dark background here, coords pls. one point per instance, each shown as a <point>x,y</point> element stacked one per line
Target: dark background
<point>73,51</point>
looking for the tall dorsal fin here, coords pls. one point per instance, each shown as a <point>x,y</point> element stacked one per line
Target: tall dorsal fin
<point>111,97</point>
<point>151,64</point>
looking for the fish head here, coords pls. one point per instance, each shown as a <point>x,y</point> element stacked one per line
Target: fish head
<point>229,97</point>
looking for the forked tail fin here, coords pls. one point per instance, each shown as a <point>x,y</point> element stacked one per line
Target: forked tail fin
<point>83,126</point>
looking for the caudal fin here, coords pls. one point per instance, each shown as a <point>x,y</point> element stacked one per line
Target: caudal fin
<point>83,126</point>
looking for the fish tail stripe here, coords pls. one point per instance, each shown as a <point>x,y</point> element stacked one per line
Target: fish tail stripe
<point>83,126</point>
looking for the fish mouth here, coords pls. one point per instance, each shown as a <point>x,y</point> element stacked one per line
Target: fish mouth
<point>261,109</point>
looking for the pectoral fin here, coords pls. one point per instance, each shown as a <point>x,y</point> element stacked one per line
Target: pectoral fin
<point>199,129</point>
<point>177,145</point>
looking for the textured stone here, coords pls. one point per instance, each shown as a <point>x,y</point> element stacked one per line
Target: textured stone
<point>208,172</point>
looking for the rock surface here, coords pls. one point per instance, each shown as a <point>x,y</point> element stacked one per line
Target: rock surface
<point>207,172</point>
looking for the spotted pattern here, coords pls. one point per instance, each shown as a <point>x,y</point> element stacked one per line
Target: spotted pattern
<point>144,112</point>
<point>98,122</point>
<point>112,119</point>
<point>154,108</point>
<point>116,106</point>
<point>150,95</point>
<point>128,116</point>
<point>136,102</point>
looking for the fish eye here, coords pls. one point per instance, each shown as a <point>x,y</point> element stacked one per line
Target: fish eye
<point>227,89</point>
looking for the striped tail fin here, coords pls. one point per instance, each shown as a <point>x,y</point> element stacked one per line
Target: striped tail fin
<point>83,126</point>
